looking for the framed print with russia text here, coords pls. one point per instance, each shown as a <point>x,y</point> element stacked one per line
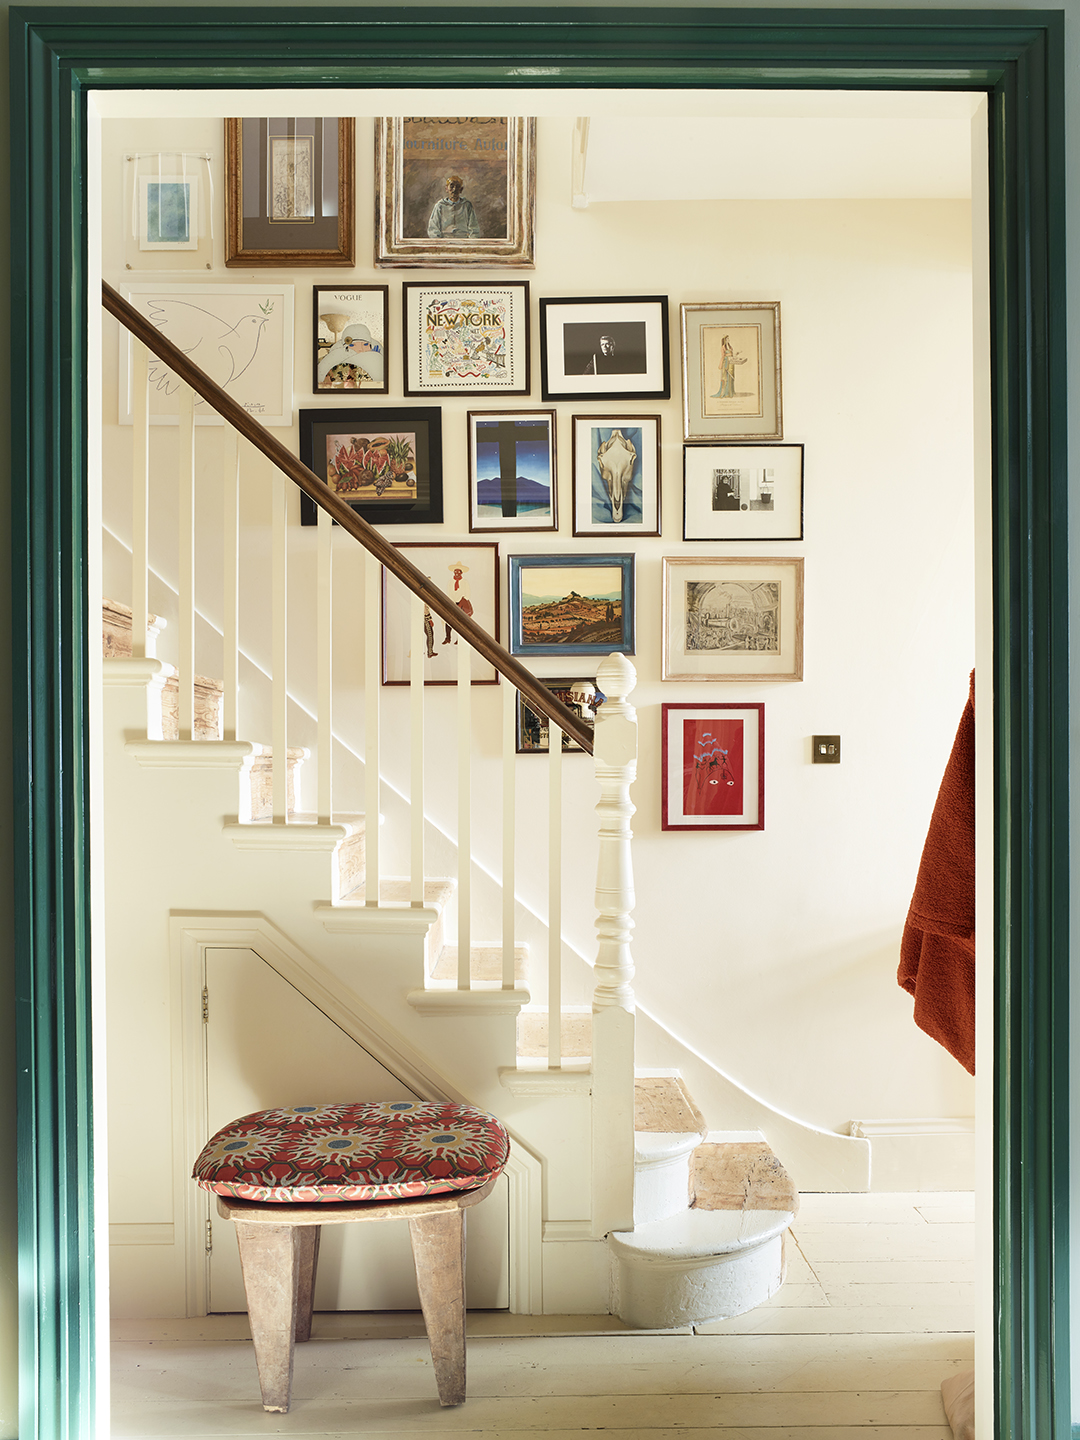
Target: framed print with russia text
<point>386,463</point>
<point>712,767</point>
<point>512,470</point>
<point>571,604</point>
<point>742,492</point>
<point>469,573</point>
<point>616,464</point>
<point>605,348</point>
<point>349,328</point>
<point>532,731</point>
<point>731,370</point>
<point>728,618</point>
<point>289,191</point>
<point>466,339</point>
<point>241,335</point>
<point>455,190</point>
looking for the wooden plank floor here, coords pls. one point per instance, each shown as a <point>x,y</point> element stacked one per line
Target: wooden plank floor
<point>876,1312</point>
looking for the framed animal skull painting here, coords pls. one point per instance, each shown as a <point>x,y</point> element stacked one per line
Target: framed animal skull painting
<point>616,475</point>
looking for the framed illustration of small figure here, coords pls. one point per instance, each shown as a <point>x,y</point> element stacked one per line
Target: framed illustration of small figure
<point>712,767</point>
<point>731,370</point>
<point>616,464</point>
<point>512,470</point>
<point>349,329</point>
<point>469,573</point>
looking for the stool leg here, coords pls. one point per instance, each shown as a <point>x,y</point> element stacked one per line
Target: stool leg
<point>438,1243</point>
<point>305,1279</point>
<point>270,1257</point>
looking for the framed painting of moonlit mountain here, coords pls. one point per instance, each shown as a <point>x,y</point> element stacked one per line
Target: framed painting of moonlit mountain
<point>512,470</point>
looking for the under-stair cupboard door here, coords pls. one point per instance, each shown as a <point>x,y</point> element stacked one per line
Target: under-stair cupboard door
<point>267,1044</point>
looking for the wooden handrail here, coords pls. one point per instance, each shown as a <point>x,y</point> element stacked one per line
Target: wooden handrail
<point>539,696</point>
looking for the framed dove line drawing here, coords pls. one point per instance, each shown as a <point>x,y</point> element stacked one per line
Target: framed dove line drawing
<point>241,335</point>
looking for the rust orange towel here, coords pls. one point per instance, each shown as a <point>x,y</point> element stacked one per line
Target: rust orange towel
<point>937,952</point>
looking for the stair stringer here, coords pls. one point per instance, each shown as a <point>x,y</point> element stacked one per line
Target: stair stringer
<point>191,935</point>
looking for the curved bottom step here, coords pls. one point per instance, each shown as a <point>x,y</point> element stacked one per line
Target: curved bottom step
<point>696,1266</point>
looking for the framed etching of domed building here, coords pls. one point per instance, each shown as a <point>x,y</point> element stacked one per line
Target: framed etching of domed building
<point>453,191</point>
<point>731,370</point>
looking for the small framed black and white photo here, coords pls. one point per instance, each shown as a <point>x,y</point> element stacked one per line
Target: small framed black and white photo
<point>742,492</point>
<point>605,348</point>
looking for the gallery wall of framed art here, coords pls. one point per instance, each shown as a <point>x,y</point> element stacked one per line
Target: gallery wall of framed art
<point>775,469</point>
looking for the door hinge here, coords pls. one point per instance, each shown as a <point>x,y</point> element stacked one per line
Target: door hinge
<point>209,1236</point>
<point>205,1004</point>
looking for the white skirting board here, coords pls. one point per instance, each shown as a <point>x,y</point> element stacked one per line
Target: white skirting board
<point>920,1154</point>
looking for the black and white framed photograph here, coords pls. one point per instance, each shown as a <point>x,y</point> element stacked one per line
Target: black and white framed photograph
<point>610,348</point>
<point>742,492</point>
<point>616,464</point>
<point>512,470</point>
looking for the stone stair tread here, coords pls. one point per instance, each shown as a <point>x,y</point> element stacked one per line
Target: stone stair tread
<point>396,890</point>
<point>742,1176</point>
<point>485,964</point>
<point>662,1103</point>
<point>653,1146</point>
<point>696,1234</point>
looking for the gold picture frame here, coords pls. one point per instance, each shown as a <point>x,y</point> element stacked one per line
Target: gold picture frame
<point>276,174</point>
<point>732,618</point>
<point>731,370</point>
<point>488,219</point>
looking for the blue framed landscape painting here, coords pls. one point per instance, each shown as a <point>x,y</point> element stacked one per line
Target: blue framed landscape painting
<point>571,604</point>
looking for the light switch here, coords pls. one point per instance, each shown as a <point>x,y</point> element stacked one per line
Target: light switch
<point>826,749</point>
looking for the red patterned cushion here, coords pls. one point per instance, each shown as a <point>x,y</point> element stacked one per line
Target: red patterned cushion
<point>380,1150</point>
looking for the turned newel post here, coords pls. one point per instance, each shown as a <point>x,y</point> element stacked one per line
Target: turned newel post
<point>615,760</point>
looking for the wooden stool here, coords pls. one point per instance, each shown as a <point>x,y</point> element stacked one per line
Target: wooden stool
<point>280,1175</point>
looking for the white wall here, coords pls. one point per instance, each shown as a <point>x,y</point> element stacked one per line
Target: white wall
<point>773,954</point>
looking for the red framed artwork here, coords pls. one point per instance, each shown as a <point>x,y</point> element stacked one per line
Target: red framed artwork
<point>713,767</point>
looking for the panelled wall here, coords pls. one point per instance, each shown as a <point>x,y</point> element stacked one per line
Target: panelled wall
<point>772,954</point>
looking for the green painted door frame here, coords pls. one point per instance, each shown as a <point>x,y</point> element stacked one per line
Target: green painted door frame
<point>57,56</point>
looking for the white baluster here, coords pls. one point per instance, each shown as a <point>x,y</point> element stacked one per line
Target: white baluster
<point>230,610</point>
<point>554,896</point>
<point>615,762</point>
<point>509,715</point>
<point>141,644</point>
<point>185,500</point>
<point>372,679</point>
<point>417,652</point>
<point>324,629</point>
<point>279,649</point>
<point>464,889</point>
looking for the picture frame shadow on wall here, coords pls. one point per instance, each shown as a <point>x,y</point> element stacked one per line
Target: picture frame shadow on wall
<point>731,370</point>
<point>743,492</point>
<point>712,766</point>
<point>469,573</point>
<point>571,604</point>
<point>605,348</point>
<point>532,731</point>
<point>289,191</point>
<point>455,191</point>
<point>512,471</point>
<point>732,618</point>
<point>349,331</point>
<point>616,469</point>
<point>465,339</point>
<point>384,462</point>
